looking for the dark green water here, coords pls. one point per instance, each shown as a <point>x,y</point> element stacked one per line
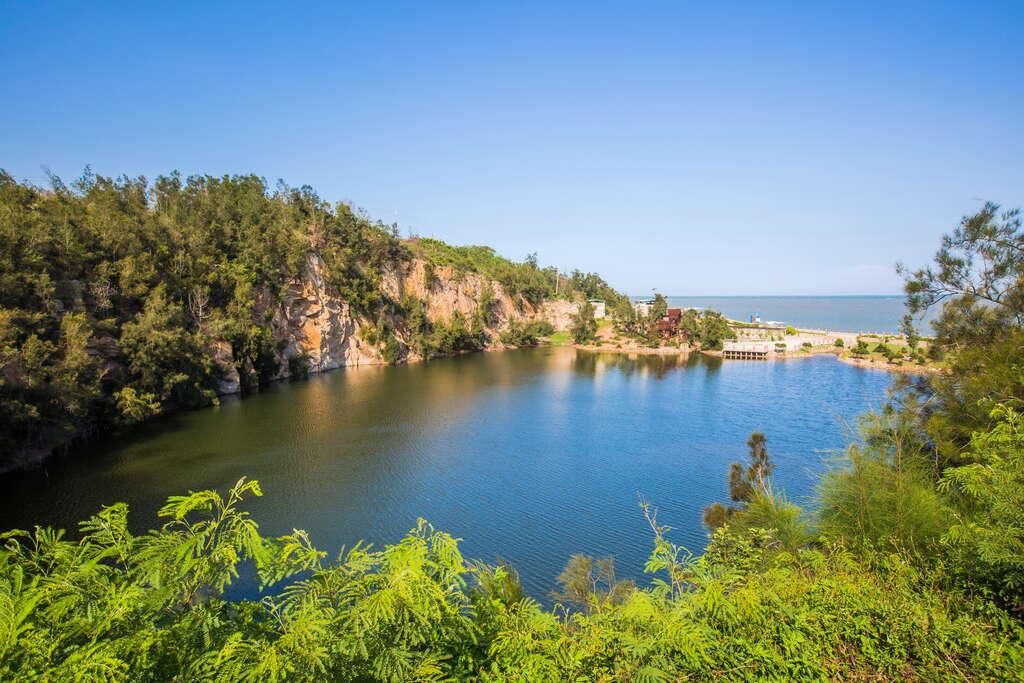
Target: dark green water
<point>528,455</point>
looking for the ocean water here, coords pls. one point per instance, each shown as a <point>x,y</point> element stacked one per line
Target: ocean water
<point>528,455</point>
<point>844,313</point>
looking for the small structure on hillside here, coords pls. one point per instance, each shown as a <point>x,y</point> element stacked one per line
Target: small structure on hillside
<point>643,308</point>
<point>755,319</point>
<point>599,308</point>
<point>668,326</point>
<point>746,350</point>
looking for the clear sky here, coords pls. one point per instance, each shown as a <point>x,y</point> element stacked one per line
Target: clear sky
<point>745,148</point>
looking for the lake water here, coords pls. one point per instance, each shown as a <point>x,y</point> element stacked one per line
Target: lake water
<point>846,313</point>
<point>528,455</point>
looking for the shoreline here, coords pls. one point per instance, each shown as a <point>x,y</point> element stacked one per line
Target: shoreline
<point>639,350</point>
<point>864,363</point>
<point>906,369</point>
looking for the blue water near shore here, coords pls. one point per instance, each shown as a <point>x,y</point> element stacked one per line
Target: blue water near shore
<point>845,313</point>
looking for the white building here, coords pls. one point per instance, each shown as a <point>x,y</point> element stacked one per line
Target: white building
<point>599,309</point>
<point>746,350</point>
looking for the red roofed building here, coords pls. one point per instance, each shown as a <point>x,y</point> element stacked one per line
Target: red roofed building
<point>668,326</point>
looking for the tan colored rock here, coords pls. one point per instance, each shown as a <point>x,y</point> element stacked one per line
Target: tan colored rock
<point>312,320</point>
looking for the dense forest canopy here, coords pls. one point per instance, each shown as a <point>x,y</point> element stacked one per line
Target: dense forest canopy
<point>115,294</point>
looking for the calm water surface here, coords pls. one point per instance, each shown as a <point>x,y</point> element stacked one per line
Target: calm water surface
<point>528,455</point>
<point>847,313</point>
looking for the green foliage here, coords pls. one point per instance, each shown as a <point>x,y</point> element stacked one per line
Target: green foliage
<point>135,407</point>
<point>591,584</point>
<point>164,359</point>
<point>909,331</point>
<point>839,343</point>
<point>115,294</point>
<point>485,307</point>
<point>418,326</point>
<point>529,334</point>
<point>111,293</point>
<point>298,366</point>
<point>392,351</point>
<point>977,278</point>
<point>524,279</point>
<point>987,537</point>
<point>745,481</point>
<point>114,291</point>
<point>115,606</point>
<point>660,307</point>
<point>583,327</point>
<point>593,286</point>
<point>771,511</point>
<point>624,316</point>
<point>429,278</point>
<point>961,400</point>
<point>455,337</point>
<point>707,328</point>
<point>884,496</point>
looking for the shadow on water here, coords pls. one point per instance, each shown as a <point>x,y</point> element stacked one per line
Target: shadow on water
<point>531,455</point>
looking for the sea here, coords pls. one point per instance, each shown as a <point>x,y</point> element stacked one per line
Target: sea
<point>878,314</point>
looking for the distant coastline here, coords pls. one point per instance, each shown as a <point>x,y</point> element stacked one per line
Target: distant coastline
<point>878,314</point>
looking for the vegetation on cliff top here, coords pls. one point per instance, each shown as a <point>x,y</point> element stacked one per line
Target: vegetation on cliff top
<point>117,294</point>
<point>526,278</point>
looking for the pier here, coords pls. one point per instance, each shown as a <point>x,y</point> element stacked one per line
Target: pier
<point>746,350</point>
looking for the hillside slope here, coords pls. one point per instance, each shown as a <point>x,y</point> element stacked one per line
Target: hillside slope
<point>122,299</point>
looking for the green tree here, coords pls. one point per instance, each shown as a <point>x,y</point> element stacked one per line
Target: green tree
<point>745,481</point>
<point>165,361</point>
<point>714,329</point>
<point>987,536</point>
<point>977,278</point>
<point>884,497</point>
<point>659,308</point>
<point>584,327</point>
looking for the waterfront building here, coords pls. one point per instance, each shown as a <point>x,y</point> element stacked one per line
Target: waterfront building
<point>668,326</point>
<point>746,350</point>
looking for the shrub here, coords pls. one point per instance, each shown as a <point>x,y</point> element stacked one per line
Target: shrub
<point>583,327</point>
<point>519,334</point>
<point>883,497</point>
<point>298,366</point>
<point>113,605</point>
<point>987,535</point>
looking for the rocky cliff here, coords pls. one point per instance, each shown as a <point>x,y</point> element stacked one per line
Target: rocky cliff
<point>312,322</point>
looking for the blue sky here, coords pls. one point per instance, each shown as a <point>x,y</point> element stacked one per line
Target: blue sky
<point>745,148</point>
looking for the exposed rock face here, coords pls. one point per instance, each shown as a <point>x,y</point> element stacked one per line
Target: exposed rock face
<point>559,312</point>
<point>311,321</point>
<point>230,382</point>
<point>314,322</point>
